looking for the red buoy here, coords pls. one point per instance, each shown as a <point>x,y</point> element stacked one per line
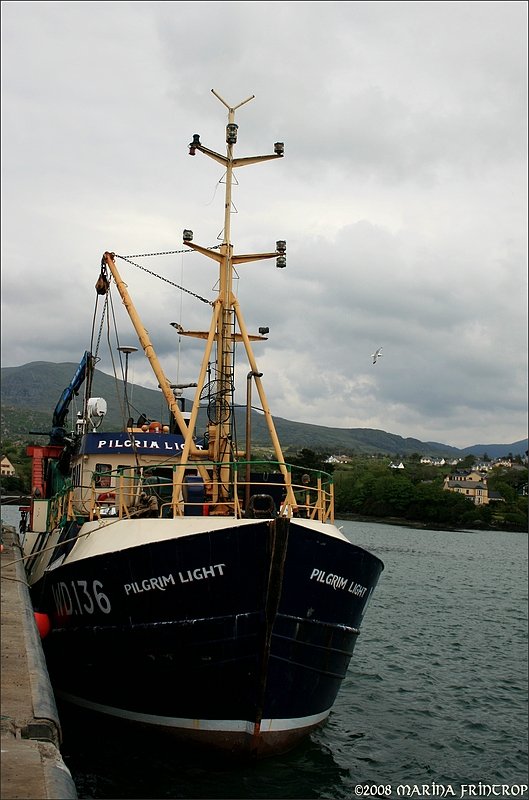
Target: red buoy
<point>43,624</point>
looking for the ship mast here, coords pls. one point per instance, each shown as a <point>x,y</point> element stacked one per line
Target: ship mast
<point>227,311</point>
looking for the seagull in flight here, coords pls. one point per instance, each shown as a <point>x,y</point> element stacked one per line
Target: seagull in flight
<point>376,355</point>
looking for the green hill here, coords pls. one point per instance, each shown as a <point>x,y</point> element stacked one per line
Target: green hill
<point>30,393</point>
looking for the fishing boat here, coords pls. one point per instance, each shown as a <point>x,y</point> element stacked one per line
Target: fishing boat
<point>178,582</point>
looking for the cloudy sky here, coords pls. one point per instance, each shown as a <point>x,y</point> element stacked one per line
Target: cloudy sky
<point>402,197</point>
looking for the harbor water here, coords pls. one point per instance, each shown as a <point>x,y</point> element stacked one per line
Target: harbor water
<point>434,703</point>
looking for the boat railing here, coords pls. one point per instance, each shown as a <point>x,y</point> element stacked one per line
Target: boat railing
<point>60,506</point>
<point>255,489</point>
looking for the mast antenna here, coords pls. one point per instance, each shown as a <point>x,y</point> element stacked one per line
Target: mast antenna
<point>232,108</point>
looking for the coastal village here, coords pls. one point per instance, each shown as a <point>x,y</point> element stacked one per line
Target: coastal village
<point>471,483</point>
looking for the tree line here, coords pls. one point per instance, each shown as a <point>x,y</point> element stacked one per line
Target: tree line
<point>369,487</point>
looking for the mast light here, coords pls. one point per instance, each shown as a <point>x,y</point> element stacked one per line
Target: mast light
<point>194,144</point>
<point>279,148</point>
<point>231,133</point>
<point>188,236</point>
<point>281,248</point>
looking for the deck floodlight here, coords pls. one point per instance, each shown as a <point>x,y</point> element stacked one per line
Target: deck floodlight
<point>281,262</point>
<point>281,246</point>
<point>188,236</point>
<point>231,133</point>
<point>279,148</point>
<point>194,144</point>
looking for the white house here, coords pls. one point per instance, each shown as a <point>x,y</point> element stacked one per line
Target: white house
<point>6,467</point>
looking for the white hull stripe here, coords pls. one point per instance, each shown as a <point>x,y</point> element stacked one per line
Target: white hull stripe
<point>223,725</point>
<point>113,535</point>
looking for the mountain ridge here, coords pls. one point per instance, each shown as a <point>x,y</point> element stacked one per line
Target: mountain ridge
<point>30,392</point>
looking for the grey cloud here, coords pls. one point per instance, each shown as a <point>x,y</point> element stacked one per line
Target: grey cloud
<point>400,196</point>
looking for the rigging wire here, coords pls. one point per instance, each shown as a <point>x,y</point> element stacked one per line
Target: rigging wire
<point>123,410</point>
<point>128,259</point>
<point>108,312</point>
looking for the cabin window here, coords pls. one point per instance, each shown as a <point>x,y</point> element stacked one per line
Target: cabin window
<point>102,476</point>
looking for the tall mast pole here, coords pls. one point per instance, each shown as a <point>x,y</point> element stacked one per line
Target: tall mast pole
<point>221,446</point>
<point>225,342</point>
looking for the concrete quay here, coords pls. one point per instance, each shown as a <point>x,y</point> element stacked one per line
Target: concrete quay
<point>32,767</point>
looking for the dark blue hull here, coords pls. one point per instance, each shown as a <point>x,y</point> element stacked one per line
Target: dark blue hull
<point>237,638</point>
